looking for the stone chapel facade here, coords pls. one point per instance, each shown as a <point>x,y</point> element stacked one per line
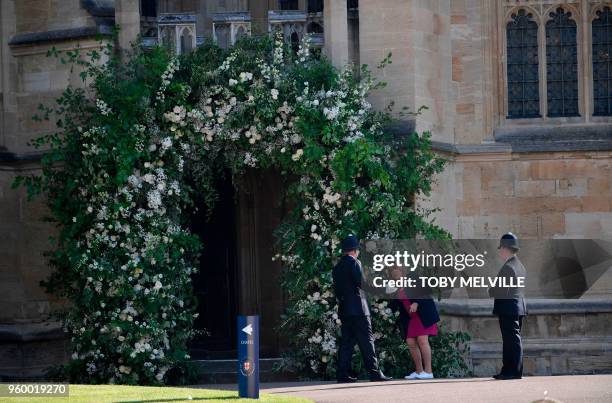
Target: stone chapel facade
<point>519,98</point>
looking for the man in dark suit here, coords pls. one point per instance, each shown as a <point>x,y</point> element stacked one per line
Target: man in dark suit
<point>354,313</point>
<point>509,306</point>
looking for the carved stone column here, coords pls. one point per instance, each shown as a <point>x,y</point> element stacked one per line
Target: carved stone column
<point>335,21</point>
<point>127,17</point>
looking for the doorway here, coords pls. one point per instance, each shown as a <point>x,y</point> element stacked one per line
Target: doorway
<point>215,285</point>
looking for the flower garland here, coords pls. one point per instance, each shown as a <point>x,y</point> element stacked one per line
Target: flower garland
<point>157,133</point>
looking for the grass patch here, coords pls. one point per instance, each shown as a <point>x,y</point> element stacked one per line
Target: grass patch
<point>133,394</point>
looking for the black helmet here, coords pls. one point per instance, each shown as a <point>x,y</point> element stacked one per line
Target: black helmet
<point>349,243</point>
<point>510,241</point>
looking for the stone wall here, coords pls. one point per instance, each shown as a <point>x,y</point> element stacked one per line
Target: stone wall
<point>535,195</point>
<point>416,32</point>
<point>30,338</point>
<point>37,16</point>
<point>559,337</point>
<point>472,80</point>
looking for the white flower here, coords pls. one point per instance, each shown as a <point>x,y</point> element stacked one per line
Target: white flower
<point>250,160</point>
<point>134,181</point>
<point>166,143</point>
<point>298,154</point>
<point>103,107</point>
<point>125,370</point>
<point>274,93</point>
<point>154,200</point>
<point>331,113</point>
<point>232,82</point>
<point>245,76</point>
<point>157,286</point>
<point>296,138</point>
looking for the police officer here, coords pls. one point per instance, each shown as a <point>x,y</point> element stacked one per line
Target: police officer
<point>354,313</point>
<point>509,306</point>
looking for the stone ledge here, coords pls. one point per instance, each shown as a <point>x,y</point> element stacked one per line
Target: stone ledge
<point>582,345</point>
<point>570,137</point>
<point>484,307</point>
<point>30,332</point>
<point>11,157</point>
<point>99,8</point>
<point>31,38</point>
<point>472,148</point>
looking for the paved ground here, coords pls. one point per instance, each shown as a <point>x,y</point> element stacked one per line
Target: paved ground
<point>576,388</point>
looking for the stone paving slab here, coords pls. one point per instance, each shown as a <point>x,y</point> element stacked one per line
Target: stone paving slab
<point>567,389</point>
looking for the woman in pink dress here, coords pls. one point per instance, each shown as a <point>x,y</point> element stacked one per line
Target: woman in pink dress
<point>419,317</point>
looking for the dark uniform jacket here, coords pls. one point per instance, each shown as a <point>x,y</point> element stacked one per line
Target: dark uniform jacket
<point>509,300</point>
<point>348,281</point>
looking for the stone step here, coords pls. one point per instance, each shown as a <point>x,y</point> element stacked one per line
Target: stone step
<point>532,346</point>
<point>585,355</point>
<point>548,320</point>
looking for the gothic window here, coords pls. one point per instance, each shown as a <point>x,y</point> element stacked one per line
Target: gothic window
<point>352,4</point>
<point>561,64</point>
<point>288,4</point>
<point>295,41</point>
<point>602,63</point>
<point>186,41</point>
<point>315,6</point>
<point>523,66</point>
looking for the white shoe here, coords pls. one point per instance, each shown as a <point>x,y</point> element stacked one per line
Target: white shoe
<point>424,375</point>
<point>413,375</point>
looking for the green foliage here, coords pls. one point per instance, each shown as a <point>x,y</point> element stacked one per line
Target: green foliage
<point>145,135</point>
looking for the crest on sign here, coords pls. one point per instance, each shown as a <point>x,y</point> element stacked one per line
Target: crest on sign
<point>247,367</point>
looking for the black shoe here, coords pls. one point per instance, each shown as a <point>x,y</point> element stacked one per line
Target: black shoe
<point>380,378</point>
<point>504,377</point>
<point>348,379</point>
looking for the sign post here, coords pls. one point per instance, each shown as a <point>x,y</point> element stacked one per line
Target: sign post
<point>248,356</point>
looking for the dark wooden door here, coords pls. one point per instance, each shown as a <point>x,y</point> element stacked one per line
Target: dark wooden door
<point>215,285</point>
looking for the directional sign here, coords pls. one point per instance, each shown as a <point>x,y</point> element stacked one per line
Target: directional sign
<point>248,329</point>
<point>248,356</point>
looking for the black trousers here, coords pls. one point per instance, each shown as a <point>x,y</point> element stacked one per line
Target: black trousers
<point>511,327</point>
<point>357,329</point>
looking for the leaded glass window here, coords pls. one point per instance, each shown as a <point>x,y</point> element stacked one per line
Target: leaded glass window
<point>602,63</point>
<point>561,64</point>
<point>523,66</point>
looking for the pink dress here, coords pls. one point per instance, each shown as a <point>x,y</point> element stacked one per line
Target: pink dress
<point>415,326</point>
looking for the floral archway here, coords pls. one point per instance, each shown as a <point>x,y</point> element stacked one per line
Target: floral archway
<point>145,135</point>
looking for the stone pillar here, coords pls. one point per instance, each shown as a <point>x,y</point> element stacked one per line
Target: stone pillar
<point>259,16</point>
<point>127,17</point>
<point>416,32</point>
<point>8,71</point>
<point>336,31</point>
